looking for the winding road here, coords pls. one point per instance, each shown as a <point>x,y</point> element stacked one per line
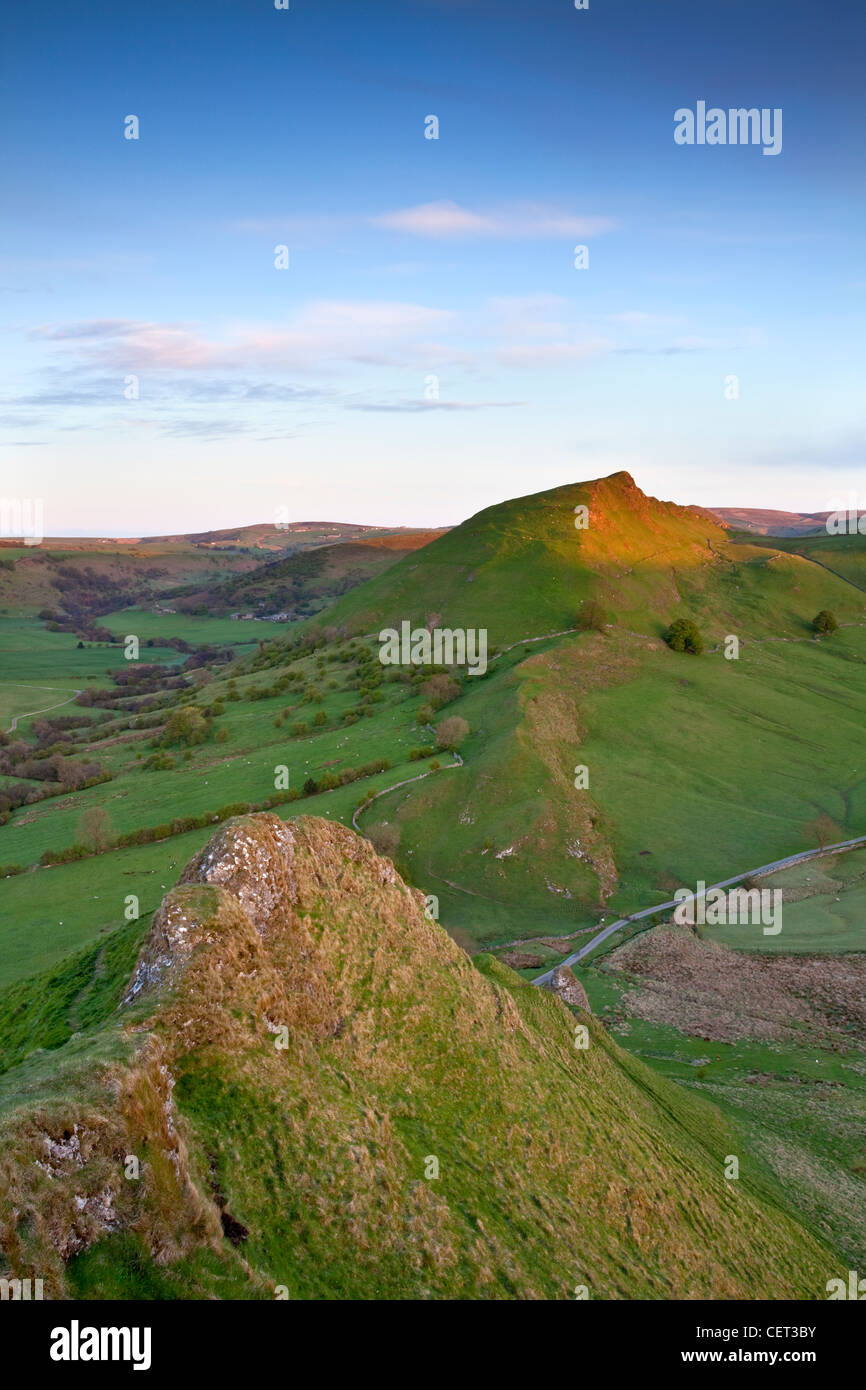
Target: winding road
<point>725,883</point>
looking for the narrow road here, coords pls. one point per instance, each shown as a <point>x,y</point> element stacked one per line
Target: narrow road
<point>725,883</point>
<point>14,725</point>
<point>405,783</point>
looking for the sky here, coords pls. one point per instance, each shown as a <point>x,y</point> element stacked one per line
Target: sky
<point>431,347</point>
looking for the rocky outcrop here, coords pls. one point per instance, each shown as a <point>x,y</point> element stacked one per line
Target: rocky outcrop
<point>566,986</point>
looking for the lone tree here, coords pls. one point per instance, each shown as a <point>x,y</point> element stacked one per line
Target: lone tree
<point>186,726</point>
<point>825,621</point>
<point>683,636</point>
<point>94,828</point>
<point>591,617</point>
<point>451,733</point>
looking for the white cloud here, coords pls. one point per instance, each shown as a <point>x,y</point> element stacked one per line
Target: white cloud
<point>323,330</point>
<point>447,220</point>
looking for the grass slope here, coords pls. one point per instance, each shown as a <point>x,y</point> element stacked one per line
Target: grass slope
<point>312,1166</point>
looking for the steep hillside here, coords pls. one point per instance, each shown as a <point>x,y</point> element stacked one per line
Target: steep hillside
<point>522,568</point>
<point>325,1098</point>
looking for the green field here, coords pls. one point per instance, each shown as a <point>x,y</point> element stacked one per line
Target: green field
<point>151,625</point>
<point>823,909</point>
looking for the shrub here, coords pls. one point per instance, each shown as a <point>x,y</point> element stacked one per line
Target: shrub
<point>186,727</point>
<point>158,762</point>
<point>65,856</point>
<point>825,621</point>
<point>440,690</point>
<point>451,733</point>
<point>683,636</point>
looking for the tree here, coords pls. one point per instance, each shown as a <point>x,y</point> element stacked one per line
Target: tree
<point>94,829</point>
<point>683,636</point>
<point>186,726</point>
<point>440,690</point>
<point>591,617</point>
<point>451,733</point>
<point>825,621</point>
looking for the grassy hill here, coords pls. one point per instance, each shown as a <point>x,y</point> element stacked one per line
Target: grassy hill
<point>428,1130</point>
<point>522,568</point>
<point>698,767</point>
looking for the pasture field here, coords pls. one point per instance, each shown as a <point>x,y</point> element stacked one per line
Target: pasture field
<point>823,909</point>
<point>149,624</point>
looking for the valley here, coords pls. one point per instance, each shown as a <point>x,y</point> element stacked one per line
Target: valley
<point>695,768</point>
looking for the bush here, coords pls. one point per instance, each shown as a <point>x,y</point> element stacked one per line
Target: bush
<point>683,636</point>
<point>158,762</point>
<point>440,690</point>
<point>65,856</point>
<point>451,733</point>
<point>221,735</point>
<point>825,621</point>
<point>186,727</point>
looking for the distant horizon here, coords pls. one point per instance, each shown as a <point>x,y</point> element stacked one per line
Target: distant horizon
<point>818,513</point>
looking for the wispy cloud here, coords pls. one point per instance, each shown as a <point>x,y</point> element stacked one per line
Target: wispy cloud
<point>204,429</point>
<point>443,220</point>
<point>347,330</point>
<point>447,220</point>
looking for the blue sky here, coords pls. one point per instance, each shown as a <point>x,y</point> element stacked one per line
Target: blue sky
<point>310,389</point>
